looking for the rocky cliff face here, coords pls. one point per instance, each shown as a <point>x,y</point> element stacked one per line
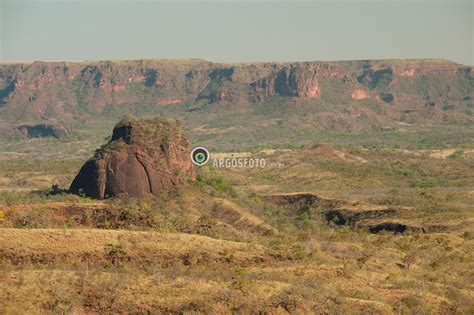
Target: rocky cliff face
<point>294,81</point>
<point>143,157</point>
<point>42,91</point>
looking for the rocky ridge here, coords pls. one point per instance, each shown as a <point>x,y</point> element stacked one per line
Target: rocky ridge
<point>143,157</point>
<point>45,90</point>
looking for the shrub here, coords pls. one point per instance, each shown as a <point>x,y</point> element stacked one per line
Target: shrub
<point>219,185</point>
<point>428,182</point>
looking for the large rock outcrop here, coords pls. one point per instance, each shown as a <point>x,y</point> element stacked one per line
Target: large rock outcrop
<point>143,157</point>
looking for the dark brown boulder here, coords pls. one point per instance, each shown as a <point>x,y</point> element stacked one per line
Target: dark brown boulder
<point>143,157</point>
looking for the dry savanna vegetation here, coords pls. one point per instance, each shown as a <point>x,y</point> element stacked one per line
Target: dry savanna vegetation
<point>323,229</point>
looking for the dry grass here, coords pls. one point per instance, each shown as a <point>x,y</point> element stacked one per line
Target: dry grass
<point>101,247</point>
<point>305,265</point>
<point>125,271</point>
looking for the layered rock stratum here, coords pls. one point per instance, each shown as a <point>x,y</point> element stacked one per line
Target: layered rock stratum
<point>342,96</point>
<point>143,157</point>
<point>42,90</point>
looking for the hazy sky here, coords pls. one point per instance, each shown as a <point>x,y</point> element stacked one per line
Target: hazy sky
<point>236,30</point>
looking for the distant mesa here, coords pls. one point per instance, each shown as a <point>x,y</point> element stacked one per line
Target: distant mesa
<point>143,157</point>
<point>44,130</point>
<point>340,96</point>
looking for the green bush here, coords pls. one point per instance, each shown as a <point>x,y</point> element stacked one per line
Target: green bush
<point>428,182</point>
<point>219,185</point>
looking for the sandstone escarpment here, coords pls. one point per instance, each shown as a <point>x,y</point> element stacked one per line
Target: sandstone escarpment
<point>291,82</point>
<point>143,157</point>
<point>75,91</point>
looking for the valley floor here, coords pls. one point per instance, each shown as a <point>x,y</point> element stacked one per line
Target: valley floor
<point>316,231</point>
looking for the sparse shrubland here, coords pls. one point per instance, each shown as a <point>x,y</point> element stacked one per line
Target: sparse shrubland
<point>218,245</point>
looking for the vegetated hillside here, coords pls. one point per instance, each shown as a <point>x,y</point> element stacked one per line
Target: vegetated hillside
<point>346,96</point>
